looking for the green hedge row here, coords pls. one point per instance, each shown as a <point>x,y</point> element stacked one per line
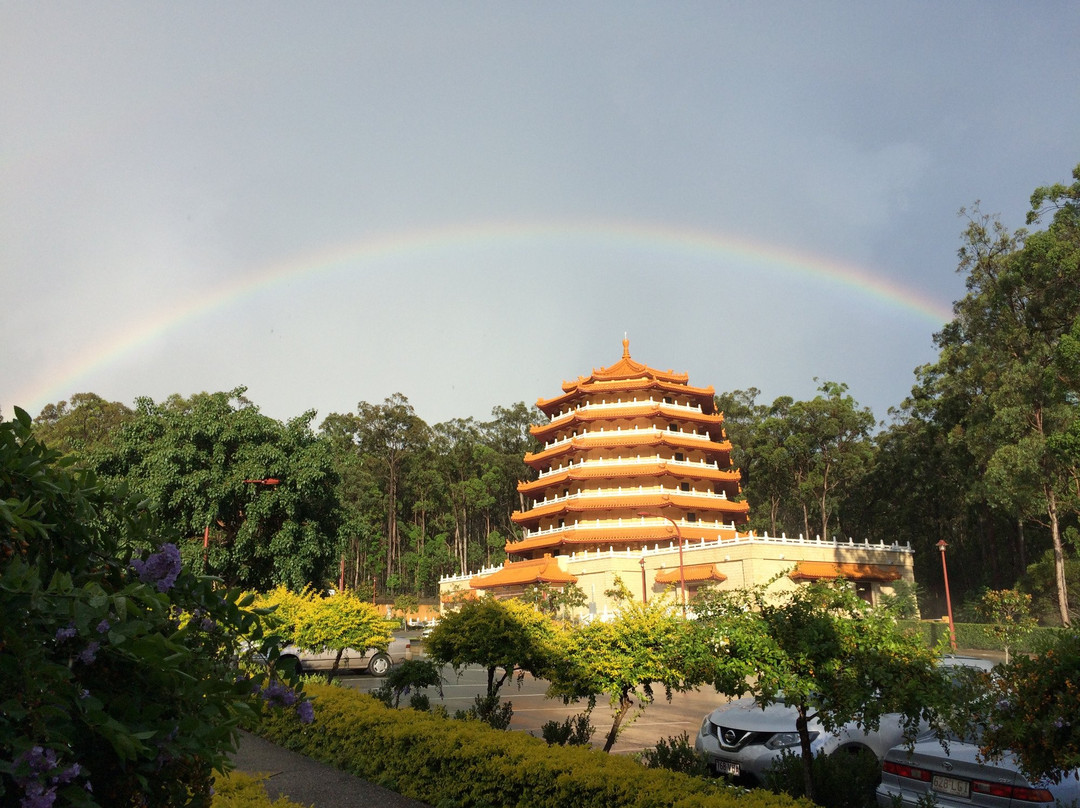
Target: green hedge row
<point>446,762</point>
<point>978,636</point>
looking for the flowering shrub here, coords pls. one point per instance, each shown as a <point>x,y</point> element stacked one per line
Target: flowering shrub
<point>1035,710</point>
<point>118,677</point>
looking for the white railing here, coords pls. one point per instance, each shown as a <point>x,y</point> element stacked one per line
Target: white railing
<point>658,549</point>
<point>604,493</point>
<point>617,405</point>
<point>628,461</point>
<point>636,431</point>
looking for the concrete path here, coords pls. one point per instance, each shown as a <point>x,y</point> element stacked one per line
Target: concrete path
<point>309,782</point>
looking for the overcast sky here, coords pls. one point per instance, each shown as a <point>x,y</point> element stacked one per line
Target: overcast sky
<point>469,202</point>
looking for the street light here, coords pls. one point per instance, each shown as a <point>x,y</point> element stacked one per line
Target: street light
<point>678,535</point>
<point>941,545</point>
<point>644,586</point>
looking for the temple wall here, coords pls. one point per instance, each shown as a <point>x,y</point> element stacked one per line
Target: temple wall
<point>746,561</point>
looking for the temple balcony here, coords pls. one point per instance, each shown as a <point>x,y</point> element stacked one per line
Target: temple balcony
<point>620,462</point>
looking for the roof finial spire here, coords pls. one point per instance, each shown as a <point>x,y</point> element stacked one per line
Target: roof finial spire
<point>625,346</point>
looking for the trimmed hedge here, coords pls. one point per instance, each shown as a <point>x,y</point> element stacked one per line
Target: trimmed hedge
<point>978,636</point>
<point>447,762</point>
<point>239,790</point>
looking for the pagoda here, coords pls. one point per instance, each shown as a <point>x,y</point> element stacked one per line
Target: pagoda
<point>631,455</point>
<point>635,485</point>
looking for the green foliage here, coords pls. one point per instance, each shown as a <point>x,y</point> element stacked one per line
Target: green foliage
<point>494,634</point>
<point>334,623</point>
<point>1035,710</point>
<point>845,779</point>
<point>555,601</point>
<point>411,676</point>
<point>677,754</point>
<point>444,762</point>
<point>88,424</point>
<point>490,710</point>
<point>903,601</point>
<point>643,646</point>
<point>202,463</point>
<point>239,790</point>
<point>117,667</point>
<point>825,652</point>
<point>576,730</point>
<point>976,636</point>
<point>1009,614</point>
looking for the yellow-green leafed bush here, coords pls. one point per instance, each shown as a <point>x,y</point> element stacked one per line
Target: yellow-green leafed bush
<point>239,790</point>
<point>442,761</point>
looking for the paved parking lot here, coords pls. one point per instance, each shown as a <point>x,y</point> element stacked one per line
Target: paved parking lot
<point>532,709</point>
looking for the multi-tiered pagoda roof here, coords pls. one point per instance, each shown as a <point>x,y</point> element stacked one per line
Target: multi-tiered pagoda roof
<point>631,456</point>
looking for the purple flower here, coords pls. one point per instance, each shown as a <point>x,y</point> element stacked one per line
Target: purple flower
<point>66,633</point>
<point>279,695</point>
<point>305,710</point>
<point>161,568</point>
<point>84,693</point>
<point>103,626</point>
<point>89,653</point>
<point>207,624</point>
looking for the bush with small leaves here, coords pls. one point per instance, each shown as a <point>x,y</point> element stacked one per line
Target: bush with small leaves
<point>676,753</point>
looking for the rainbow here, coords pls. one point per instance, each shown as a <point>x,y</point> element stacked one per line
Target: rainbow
<point>651,238</point>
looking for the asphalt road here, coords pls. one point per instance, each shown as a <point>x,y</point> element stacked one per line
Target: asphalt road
<point>532,709</point>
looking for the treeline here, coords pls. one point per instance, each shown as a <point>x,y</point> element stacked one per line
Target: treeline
<point>376,499</point>
<point>984,455</point>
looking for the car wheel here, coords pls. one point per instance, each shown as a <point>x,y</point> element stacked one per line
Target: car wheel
<point>291,664</point>
<point>379,665</point>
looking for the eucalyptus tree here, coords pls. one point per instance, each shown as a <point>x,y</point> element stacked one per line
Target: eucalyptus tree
<point>1010,356</point>
<point>82,424</point>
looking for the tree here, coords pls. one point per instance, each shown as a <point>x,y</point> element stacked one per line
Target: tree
<point>340,622</point>
<point>495,634</point>
<point>555,601</point>
<point>643,646</point>
<point>823,651</point>
<point>118,666</point>
<point>254,499</point>
<point>1009,355</point>
<point>1009,614</point>
<point>1034,710</point>
<point>89,423</point>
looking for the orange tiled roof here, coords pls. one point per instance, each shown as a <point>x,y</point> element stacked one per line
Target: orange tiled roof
<point>630,500</point>
<point>647,534</point>
<point>644,469</point>
<point>519,573</point>
<point>828,570</point>
<point>692,573</point>
<point>628,374</point>
<point>627,438</point>
<point>641,410</point>
<point>578,389</point>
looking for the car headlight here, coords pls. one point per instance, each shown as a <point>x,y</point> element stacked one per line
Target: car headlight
<point>785,740</point>
<point>706,727</point>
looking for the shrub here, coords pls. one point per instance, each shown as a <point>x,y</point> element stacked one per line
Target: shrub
<point>676,753</point>
<point>573,731</point>
<point>238,790</point>
<point>448,763</point>
<point>844,779</point>
<point>118,683</point>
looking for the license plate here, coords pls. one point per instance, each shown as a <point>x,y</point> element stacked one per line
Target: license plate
<point>951,786</point>
<point>726,767</point>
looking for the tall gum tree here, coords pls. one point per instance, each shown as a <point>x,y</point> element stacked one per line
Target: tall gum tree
<point>1008,352</point>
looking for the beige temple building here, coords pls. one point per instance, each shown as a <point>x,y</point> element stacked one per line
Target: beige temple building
<point>635,481</point>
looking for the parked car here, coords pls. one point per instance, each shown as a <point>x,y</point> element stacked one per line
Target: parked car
<point>954,775</point>
<point>743,741</point>
<point>373,661</point>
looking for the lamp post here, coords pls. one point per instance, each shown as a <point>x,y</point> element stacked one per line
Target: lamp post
<point>941,545</point>
<point>644,586</point>
<point>678,535</point>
